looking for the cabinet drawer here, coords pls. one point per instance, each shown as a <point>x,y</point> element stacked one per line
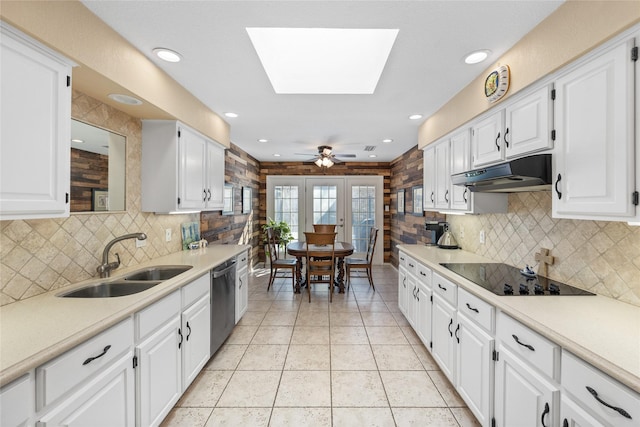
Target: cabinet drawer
<point>154,316</point>
<point>424,274</point>
<point>402,259</point>
<point>58,376</point>
<point>476,309</point>
<point>195,290</point>
<point>577,375</point>
<point>17,402</point>
<point>242,260</point>
<point>538,351</point>
<point>445,288</point>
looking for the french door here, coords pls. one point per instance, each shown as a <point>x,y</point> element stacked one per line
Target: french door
<point>354,204</point>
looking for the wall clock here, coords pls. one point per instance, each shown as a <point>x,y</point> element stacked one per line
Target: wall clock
<point>497,83</point>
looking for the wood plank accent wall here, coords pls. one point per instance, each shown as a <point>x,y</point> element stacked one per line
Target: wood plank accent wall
<point>88,170</point>
<point>406,173</point>
<point>310,169</point>
<point>241,170</point>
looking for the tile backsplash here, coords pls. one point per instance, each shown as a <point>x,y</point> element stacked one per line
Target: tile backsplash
<point>602,257</point>
<point>41,255</point>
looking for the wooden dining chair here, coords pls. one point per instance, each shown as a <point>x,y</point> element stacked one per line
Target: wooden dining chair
<point>324,228</point>
<point>320,257</point>
<point>276,263</point>
<point>363,263</point>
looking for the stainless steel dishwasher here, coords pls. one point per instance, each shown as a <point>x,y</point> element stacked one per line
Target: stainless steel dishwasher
<point>223,303</point>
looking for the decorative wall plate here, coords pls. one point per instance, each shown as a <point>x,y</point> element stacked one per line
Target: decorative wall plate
<point>497,83</point>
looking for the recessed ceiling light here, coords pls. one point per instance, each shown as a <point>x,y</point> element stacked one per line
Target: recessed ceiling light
<point>477,56</point>
<point>415,116</point>
<point>79,141</point>
<point>167,54</point>
<point>231,115</point>
<point>387,141</point>
<point>263,140</point>
<point>125,99</point>
<point>276,155</point>
<point>372,155</point>
<point>323,60</point>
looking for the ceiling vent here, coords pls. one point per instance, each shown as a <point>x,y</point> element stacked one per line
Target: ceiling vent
<point>370,148</point>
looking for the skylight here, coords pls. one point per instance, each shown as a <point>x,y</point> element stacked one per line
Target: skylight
<point>323,60</point>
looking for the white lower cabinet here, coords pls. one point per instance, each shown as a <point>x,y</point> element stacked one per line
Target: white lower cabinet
<point>159,373</point>
<point>443,324</point>
<point>242,285</point>
<point>474,373</point>
<point>196,324</point>
<point>18,402</point>
<point>107,400</point>
<point>402,290</point>
<point>423,313</point>
<point>523,396</point>
<point>412,300</point>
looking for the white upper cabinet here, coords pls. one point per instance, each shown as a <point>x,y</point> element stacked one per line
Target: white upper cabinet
<point>181,169</point>
<point>443,174</point>
<point>35,94</point>
<point>528,123</point>
<point>487,138</point>
<point>460,151</point>
<point>428,183</point>
<point>594,168</point>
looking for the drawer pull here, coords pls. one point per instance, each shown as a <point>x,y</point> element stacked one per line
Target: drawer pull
<point>472,309</point>
<point>181,338</point>
<point>422,274</point>
<point>189,329</point>
<point>442,287</point>
<point>529,346</point>
<point>449,327</point>
<point>545,412</point>
<point>91,359</point>
<point>618,410</point>
<point>411,265</point>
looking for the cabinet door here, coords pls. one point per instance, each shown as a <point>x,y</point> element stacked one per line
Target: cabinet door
<point>527,124</point>
<point>196,327</point>
<point>35,94</point>
<point>192,152</point>
<point>107,400</point>
<point>159,372</point>
<point>460,162</point>
<point>475,368</point>
<point>17,402</point>
<point>402,290</point>
<point>443,175</point>
<point>572,415</point>
<point>523,397</point>
<point>594,161</point>
<point>428,182</point>
<point>442,336</point>
<point>242,292</point>
<point>215,176</point>
<point>423,315</point>
<point>412,303</point>
<point>487,139</point>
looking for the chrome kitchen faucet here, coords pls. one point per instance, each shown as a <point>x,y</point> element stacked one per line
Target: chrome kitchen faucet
<point>105,268</point>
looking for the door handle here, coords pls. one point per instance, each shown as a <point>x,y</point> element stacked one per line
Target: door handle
<point>497,138</point>
<point>506,142</point>
<point>558,191</point>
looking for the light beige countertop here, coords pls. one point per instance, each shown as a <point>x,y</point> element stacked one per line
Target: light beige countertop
<point>602,331</point>
<point>38,329</point>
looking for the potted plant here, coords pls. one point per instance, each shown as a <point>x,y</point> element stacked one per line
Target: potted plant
<point>281,231</point>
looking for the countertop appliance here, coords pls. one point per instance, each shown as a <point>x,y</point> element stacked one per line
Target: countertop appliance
<point>531,173</point>
<point>434,231</point>
<point>223,303</point>
<point>503,279</point>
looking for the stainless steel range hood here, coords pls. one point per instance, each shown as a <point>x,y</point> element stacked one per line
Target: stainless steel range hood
<point>532,173</point>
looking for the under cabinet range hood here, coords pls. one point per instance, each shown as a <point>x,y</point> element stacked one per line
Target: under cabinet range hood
<point>531,173</point>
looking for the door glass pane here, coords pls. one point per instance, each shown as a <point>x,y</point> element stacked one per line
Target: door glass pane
<point>286,206</point>
<point>325,204</point>
<point>363,215</point>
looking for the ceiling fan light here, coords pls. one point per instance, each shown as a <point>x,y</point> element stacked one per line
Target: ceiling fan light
<point>326,151</point>
<point>318,163</point>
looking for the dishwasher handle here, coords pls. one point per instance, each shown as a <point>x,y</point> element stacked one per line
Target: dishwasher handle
<point>221,271</point>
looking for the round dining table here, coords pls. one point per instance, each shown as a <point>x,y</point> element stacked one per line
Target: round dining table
<point>299,250</point>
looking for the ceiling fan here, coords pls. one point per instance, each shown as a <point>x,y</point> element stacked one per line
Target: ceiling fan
<point>326,158</point>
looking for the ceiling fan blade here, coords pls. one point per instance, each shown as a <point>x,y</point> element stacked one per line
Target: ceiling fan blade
<point>350,156</point>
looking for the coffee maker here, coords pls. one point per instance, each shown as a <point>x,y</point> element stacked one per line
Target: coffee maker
<point>435,230</point>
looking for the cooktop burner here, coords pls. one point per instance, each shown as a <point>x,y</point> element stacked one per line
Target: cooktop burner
<point>503,279</point>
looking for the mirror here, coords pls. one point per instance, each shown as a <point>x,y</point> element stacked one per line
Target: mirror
<point>97,169</point>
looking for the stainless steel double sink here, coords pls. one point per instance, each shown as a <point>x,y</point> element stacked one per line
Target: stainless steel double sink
<point>132,283</point>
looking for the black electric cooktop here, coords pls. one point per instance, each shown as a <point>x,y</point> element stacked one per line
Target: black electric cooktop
<point>503,279</point>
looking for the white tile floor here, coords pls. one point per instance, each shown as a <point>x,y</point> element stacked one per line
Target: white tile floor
<point>354,362</point>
